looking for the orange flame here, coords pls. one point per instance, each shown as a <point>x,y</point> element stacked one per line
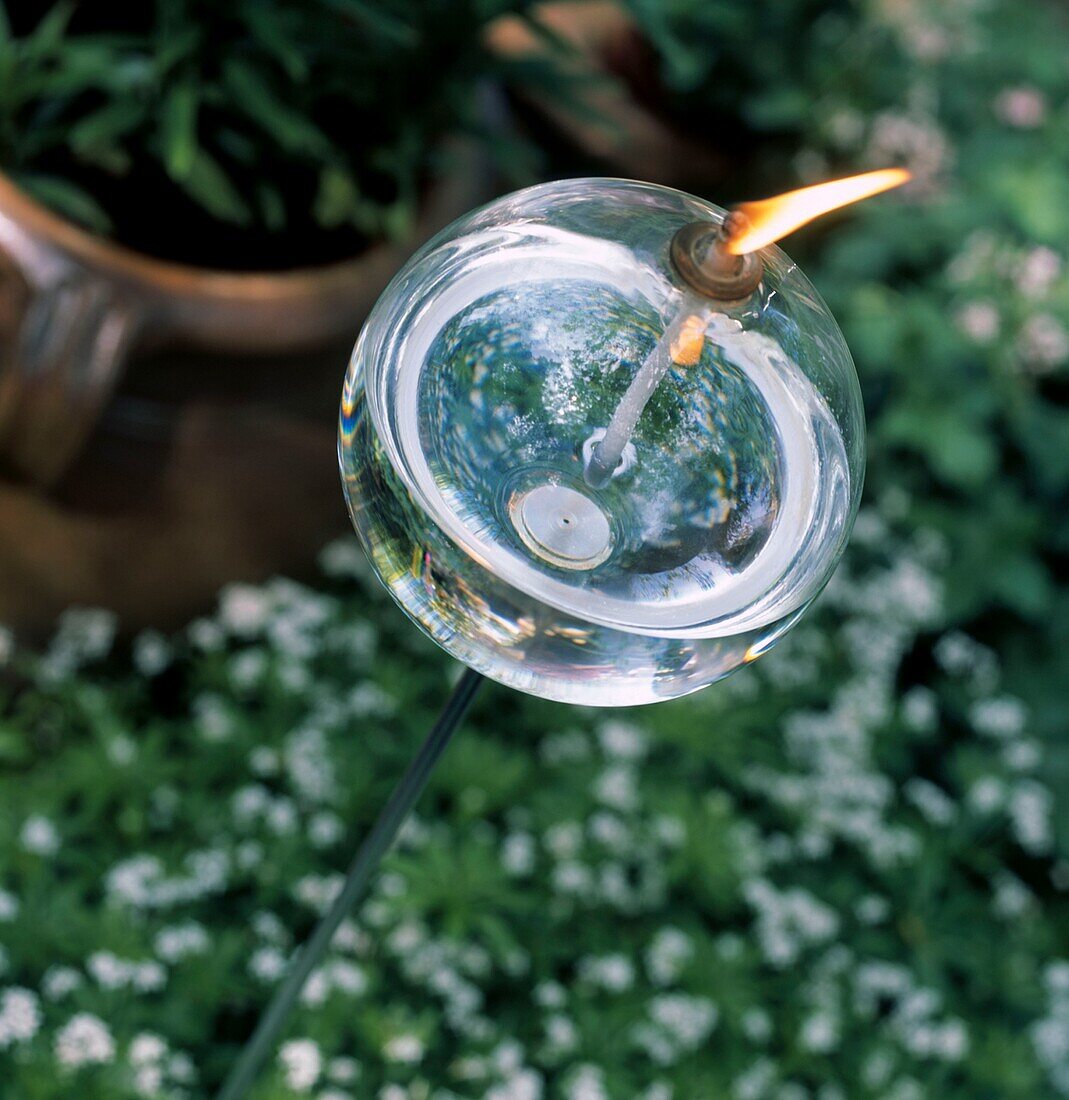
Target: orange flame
<point>770,219</point>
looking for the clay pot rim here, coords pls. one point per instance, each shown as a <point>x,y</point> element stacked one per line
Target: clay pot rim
<point>177,279</point>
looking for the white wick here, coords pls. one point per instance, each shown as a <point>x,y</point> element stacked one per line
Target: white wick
<point>681,344</point>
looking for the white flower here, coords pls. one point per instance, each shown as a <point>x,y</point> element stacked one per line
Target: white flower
<point>84,635</point>
<point>180,940</point>
<point>820,1033</point>
<point>622,740</point>
<point>247,668</point>
<point>608,830</point>
<point>756,1025</point>
<point>613,973</point>
<point>121,750</point>
<point>522,1084</point>
<point>507,1056</point>
<point>550,994</point>
<point>1002,717</point>
<point>206,635</point>
<point>616,787</point>
<point>269,926</point>
<point>756,1082</point>
<point>872,909</point>
<point>564,839</point>
<point>39,836</point>
<point>318,892</point>
<point>920,709</point>
<point>1022,756</point>
<point>309,766</point>
<point>316,989</point>
<point>1011,898</point>
<point>148,1081</point>
<point>1043,342</point>
<point>59,981</point>
<point>302,1063</point>
<point>213,718</point>
<point>325,828</point>
<point>587,1082</point>
<point>342,558</point>
<point>281,816</point>
<point>688,1020</point>
<point>1038,271</point>
<point>368,699</point>
<point>152,653</point>
<point>244,610</point>
<point>147,1049</point>
<point>406,1048</point>
<point>667,955</point>
<point>564,748</point>
<point>1031,808</point>
<point>934,804</point>
<point>788,921</point>
<point>180,1068</point>
<point>267,964</point>
<point>979,321</point>
<point>1024,107</point>
<point>263,762</point>
<point>346,977</point>
<point>343,1071</point>
<point>518,854</point>
<point>913,140</point>
<point>986,794</point>
<point>20,1016</point>
<point>83,1041</point>
<point>561,1033</point>
<point>111,972</point>
<point>9,905</point>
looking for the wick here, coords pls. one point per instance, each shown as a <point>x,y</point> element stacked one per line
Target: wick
<point>681,344</point>
<point>712,276</point>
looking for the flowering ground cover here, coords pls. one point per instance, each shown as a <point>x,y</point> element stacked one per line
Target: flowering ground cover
<point>841,874</point>
<point>811,881</point>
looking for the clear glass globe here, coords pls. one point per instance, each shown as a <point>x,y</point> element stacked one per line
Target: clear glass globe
<point>487,376</point>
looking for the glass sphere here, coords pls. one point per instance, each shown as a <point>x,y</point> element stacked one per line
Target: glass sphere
<point>488,375</point>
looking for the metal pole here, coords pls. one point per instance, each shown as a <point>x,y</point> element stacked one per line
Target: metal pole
<point>378,842</point>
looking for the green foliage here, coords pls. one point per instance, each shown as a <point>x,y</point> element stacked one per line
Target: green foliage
<point>841,873</point>
<point>954,301</point>
<point>255,111</point>
<point>804,881</point>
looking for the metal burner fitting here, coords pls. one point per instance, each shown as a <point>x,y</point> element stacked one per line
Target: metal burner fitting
<point>699,254</point>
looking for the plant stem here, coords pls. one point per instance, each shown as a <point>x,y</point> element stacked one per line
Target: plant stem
<point>378,842</point>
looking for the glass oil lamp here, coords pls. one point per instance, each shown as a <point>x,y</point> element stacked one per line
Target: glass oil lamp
<point>602,440</point>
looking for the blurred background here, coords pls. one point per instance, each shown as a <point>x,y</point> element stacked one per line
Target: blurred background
<point>839,874</point>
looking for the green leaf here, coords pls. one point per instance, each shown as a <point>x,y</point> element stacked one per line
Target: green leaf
<point>178,123</point>
<point>269,29</point>
<point>272,206</point>
<point>387,26</point>
<point>104,127</point>
<point>207,184</point>
<point>48,33</point>
<point>65,198</point>
<point>292,130</point>
<point>336,197</point>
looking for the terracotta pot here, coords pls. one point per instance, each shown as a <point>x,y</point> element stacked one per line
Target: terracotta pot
<point>166,429</point>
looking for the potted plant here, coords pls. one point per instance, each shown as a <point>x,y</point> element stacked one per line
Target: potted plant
<point>237,181</point>
<point>716,93</point>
